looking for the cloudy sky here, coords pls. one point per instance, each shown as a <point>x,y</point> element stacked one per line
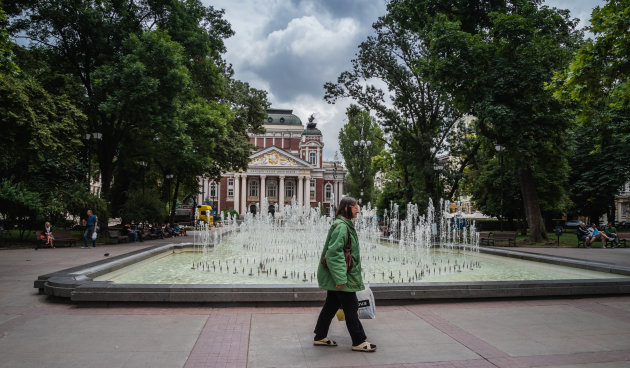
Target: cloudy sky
<point>290,48</point>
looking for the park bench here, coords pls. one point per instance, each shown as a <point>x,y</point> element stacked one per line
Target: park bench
<point>61,237</point>
<point>484,238</point>
<point>509,237</point>
<point>147,234</point>
<point>580,243</point>
<point>116,237</point>
<point>41,242</point>
<point>622,238</point>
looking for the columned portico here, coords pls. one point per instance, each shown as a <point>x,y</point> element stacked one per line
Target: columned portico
<point>244,194</point>
<point>281,195</point>
<point>236,193</point>
<point>263,193</point>
<point>300,191</point>
<point>307,190</point>
<point>287,157</point>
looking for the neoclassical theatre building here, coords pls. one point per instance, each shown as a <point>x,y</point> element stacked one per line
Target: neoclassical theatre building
<point>287,163</point>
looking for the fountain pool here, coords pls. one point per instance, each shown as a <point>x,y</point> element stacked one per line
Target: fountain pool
<point>231,263</point>
<point>274,259</point>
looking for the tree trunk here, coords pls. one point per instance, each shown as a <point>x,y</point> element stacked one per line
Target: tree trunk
<point>174,202</point>
<point>537,231</point>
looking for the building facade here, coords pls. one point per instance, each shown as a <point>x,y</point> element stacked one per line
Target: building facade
<point>622,204</point>
<point>287,164</point>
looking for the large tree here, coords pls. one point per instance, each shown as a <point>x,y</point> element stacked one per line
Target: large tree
<point>494,58</point>
<point>153,78</point>
<point>597,86</point>
<point>416,117</point>
<point>40,159</point>
<point>360,128</point>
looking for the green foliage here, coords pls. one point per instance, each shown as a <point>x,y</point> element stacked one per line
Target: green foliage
<point>232,213</point>
<point>149,76</point>
<point>143,207</point>
<point>597,86</point>
<point>600,163</point>
<point>360,127</point>
<point>41,150</point>
<point>416,117</point>
<point>19,205</point>
<point>495,66</point>
<point>78,200</point>
<point>7,65</point>
<point>37,128</point>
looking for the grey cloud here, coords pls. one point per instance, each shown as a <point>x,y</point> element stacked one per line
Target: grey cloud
<point>290,76</point>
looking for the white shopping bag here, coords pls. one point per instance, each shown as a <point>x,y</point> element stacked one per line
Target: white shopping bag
<point>94,235</point>
<point>367,308</point>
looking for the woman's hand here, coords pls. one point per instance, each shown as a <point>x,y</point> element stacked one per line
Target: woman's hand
<point>340,287</point>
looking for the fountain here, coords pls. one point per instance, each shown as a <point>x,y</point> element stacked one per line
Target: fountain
<point>275,258</point>
<point>292,245</point>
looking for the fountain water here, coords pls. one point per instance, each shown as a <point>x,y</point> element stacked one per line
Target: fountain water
<point>288,247</point>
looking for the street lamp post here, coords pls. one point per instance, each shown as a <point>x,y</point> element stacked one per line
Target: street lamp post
<point>362,145</point>
<point>144,165</point>
<point>500,148</point>
<point>170,206</point>
<point>438,167</point>
<point>96,136</point>
<point>334,198</point>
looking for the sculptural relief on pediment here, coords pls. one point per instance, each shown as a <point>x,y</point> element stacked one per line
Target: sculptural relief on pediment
<point>272,158</point>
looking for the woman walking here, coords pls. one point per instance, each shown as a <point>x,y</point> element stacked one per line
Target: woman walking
<point>340,274</point>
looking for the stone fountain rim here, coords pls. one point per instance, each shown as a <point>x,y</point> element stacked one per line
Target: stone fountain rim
<point>77,285</point>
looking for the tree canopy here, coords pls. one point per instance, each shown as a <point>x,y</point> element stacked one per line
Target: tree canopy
<point>596,85</point>
<point>149,76</point>
<point>360,128</point>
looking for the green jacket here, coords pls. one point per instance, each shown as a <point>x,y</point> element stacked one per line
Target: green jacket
<point>610,230</point>
<point>336,273</point>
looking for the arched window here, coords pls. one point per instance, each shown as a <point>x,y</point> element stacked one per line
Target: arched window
<point>253,188</point>
<point>289,189</point>
<point>312,158</point>
<point>272,189</point>
<point>328,192</point>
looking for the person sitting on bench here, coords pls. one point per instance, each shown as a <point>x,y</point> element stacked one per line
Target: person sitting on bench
<point>611,232</point>
<point>596,234</point>
<point>133,235</point>
<point>584,234</point>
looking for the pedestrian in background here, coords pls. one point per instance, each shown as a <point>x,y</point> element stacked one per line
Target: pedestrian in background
<point>90,229</point>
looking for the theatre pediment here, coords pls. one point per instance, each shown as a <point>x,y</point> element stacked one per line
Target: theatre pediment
<point>274,157</point>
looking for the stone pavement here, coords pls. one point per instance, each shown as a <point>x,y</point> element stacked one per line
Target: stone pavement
<point>39,332</point>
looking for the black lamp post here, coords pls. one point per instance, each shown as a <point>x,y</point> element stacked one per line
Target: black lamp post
<point>88,137</point>
<point>169,177</point>
<point>438,167</point>
<point>500,148</point>
<point>144,165</point>
<point>335,199</point>
<point>362,145</point>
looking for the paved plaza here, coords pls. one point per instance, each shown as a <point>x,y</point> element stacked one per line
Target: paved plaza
<point>36,331</point>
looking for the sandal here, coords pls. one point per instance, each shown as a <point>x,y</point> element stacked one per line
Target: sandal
<point>365,347</point>
<point>325,342</point>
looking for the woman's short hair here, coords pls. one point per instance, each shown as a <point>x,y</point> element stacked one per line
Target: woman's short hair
<point>345,207</point>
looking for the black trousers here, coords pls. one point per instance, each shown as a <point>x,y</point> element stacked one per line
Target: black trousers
<point>348,302</point>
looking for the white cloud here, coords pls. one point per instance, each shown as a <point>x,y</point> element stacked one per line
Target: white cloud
<point>290,48</point>
<point>307,36</point>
